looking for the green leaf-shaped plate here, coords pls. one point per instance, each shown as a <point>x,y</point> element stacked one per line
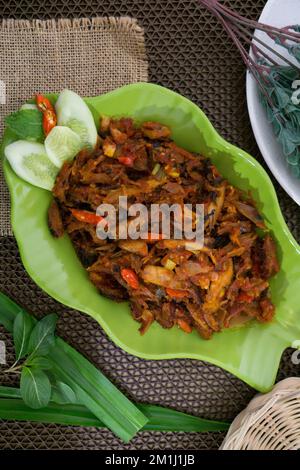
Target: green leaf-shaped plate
<point>251,352</point>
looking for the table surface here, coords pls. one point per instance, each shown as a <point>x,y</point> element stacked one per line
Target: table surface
<point>189,53</point>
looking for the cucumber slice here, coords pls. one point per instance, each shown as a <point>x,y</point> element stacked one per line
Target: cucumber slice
<point>74,113</point>
<point>29,106</point>
<point>30,161</point>
<point>62,144</point>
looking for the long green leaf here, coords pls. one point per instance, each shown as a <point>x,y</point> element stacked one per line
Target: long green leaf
<point>9,392</point>
<point>96,392</point>
<point>69,415</point>
<point>160,419</point>
<point>164,419</point>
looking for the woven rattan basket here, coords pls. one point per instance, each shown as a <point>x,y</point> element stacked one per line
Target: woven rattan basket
<point>270,421</point>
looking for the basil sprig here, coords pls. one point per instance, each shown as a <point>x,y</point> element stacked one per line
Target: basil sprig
<point>53,372</point>
<point>32,344</point>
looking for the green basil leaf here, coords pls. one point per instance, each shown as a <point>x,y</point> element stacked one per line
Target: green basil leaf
<point>277,126</point>
<point>285,73</point>
<point>287,144</point>
<point>26,124</point>
<point>63,394</point>
<point>42,336</point>
<point>35,388</point>
<point>270,113</point>
<point>40,362</point>
<point>22,328</point>
<point>295,170</point>
<point>292,133</point>
<point>282,97</point>
<point>294,50</point>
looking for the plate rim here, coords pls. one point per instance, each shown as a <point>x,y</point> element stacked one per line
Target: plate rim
<point>250,90</point>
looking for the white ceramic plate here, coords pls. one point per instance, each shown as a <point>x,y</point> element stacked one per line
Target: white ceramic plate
<point>277,13</point>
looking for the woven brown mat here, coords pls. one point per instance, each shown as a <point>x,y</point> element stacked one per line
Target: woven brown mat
<point>189,53</point>
<point>89,56</point>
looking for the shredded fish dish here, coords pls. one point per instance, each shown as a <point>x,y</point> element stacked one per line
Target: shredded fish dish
<point>174,282</point>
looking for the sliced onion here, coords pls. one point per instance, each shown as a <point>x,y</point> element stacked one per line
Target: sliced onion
<point>161,277</point>
<point>134,246</point>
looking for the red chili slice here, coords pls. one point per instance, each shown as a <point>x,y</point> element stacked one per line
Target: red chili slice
<point>86,216</point>
<point>49,115</point>
<point>176,294</point>
<point>130,277</point>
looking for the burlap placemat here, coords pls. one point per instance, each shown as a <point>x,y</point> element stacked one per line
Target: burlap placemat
<point>89,56</point>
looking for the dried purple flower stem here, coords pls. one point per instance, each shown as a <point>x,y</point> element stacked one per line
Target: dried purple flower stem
<point>248,38</point>
<point>269,48</point>
<point>239,28</point>
<point>255,68</point>
<point>230,14</point>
